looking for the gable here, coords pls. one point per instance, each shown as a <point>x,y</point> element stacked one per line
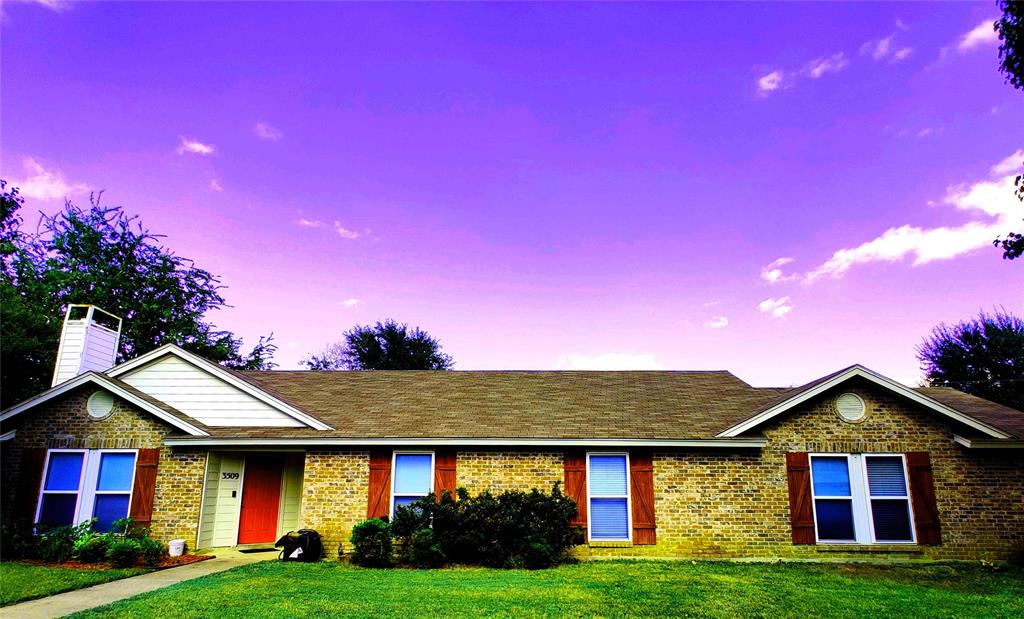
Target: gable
<point>203,396</point>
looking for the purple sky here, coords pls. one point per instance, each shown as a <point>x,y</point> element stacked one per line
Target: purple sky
<point>546,186</point>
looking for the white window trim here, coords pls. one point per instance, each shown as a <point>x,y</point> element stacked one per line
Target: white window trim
<point>628,497</point>
<point>394,476</point>
<point>85,501</point>
<point>860,497</point>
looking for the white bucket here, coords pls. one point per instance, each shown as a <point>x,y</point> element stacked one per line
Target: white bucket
<point>176,547</point>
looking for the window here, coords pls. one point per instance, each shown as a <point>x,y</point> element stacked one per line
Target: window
<point>608,494</point>
<point>83,484</point>
<point>413,477</point>
<point>861,498</point>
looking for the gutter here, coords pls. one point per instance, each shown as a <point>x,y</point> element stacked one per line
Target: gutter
<point>741,443</point>
<point>976,443</point>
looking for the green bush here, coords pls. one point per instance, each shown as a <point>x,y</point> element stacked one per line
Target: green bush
<point>124,552</point>
<point>55,545</point>
<point>128,528</point>
<point>18,540</point>
<point>371,543</point>
<point>424,551</point>
<point>152,551</point>
<point>91,547</point>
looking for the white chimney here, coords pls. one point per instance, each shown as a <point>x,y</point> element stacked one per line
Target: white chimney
<point>88,341</point>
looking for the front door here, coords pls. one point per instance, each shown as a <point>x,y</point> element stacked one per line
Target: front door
<point>261,500</point>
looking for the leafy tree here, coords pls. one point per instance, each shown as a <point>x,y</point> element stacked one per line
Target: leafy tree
<point>1011,62</point>
<point>101,256</point>
<point>983,356</point>
<point>384,346</point>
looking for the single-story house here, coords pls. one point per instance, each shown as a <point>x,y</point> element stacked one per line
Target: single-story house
<point>671,464</point>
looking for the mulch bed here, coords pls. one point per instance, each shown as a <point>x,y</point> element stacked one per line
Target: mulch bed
<point>166,563</point>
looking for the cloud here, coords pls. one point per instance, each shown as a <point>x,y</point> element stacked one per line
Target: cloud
<point>877,49</point>
<point>981,35</point>
<point>344,232</point>
<point>351,302</point>
<point>822,66</point>
<point>902,54</point>
<point>310,223</point>
<point>215,185</point>
<point>608,361</point>
<point>194,146</point>
<point>776,307</point>
<point>772,273</point>
<point>43,184</point>
<point>770,82</point>
<point>718,322</point>
<point>991,203</point>
<point>54,5</point>
<point>1013,164</point>
<point>266,131</point>
<point>923,133</point>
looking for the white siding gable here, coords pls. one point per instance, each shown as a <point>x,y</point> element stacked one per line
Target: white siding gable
<point>203,396</point>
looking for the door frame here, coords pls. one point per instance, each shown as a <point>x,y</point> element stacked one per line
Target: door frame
<point>241,496</point>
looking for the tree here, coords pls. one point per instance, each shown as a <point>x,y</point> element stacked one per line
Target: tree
<point>102,256</point>
<point>384,346</point>
<point>1011,62</point>
<point>983,356</point>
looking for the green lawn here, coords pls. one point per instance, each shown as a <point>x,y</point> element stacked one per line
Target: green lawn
<point>597,588</point>
<point>25,581</point>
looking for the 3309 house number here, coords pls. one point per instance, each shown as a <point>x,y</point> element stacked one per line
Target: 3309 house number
<point>229,475</point>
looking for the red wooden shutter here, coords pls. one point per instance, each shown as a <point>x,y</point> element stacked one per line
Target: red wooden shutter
<point>145,486</point>
<point>444,472</point>
<point>576,484</point>
<point>379,504</point>
<point>641,482</point>
<point>922,496</point>
<point>33,459</point>
<point>801,509</point>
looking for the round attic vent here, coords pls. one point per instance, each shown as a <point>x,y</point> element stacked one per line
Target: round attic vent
<point>100,404</point>
<point>851,407</point>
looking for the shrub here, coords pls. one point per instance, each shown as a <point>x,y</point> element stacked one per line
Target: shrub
<point>56,544</point>
<point>18,540</point>
<point>371,543</point>
<point>128,528</point>
<point>91,547</point>
<point>152,551</point>
<point>424,551</point>
<point>124,552</point>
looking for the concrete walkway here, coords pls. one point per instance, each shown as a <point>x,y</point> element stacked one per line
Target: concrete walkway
<point>98,595</point>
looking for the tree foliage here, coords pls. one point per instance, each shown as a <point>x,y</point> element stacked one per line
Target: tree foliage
<point>101,256</point>
<point>1011,62</point>
<point>983,356</point>
<point>387,345</point>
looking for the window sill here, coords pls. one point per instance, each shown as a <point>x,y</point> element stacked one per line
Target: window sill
<point>604,544</point>
<point>910,549</point>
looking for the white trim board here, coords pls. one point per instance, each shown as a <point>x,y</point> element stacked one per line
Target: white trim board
<point>870,376</point>
<point>974,443</point>
<point>221,374</point>
<point>105,383</point>
<point>742,443</point>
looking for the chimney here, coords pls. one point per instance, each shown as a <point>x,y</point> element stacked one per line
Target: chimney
<point>88,341</point>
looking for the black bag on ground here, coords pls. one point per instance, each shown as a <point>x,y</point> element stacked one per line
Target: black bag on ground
<point>302,545</point>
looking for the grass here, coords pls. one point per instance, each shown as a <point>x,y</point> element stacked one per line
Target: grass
<point>26,581</point>
<point>597,588</point>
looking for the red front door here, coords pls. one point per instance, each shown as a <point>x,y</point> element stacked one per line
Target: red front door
<point>261,499</point>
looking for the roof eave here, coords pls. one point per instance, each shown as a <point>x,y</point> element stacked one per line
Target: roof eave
<point>713,443</point>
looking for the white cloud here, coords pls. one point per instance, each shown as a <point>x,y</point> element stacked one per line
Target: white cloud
<point>822,66</point>
<point>194,146</point>
<point>902,25</point>
<point>770,82</point>
<point>923,133</point>
<point>310,223</point>
<point>267,131</point>
<point>772,273</point>
<point>776,307</point>
<point>344,232</point>
<point>1013,164</point>
<point>718,322</point>
<point>902,54</point>
<point>981,35</point>
<point>54,5</point>
<point>995,211</point>
<point>351,302</point>
<point>43,184</point>
<point>608,361</point>
<point>877,49</point>
<point>215,185</point>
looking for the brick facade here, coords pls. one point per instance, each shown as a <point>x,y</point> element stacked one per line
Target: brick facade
<point>335,490</point>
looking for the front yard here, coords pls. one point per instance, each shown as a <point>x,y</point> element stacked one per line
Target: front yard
<point>597,588</point>
<point>26,581</point>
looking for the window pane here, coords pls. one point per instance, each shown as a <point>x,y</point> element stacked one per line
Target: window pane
<point>608,475</point>
<point>891,519</point>
<point>831,476</point>
<point>608,519</point>
<point>116,471</point>
<point>835,519</point>
<point>412,474</point>
<point>58,509</point>
<point>886,476</point>
<point>109,507</point>
<point>65,471</point>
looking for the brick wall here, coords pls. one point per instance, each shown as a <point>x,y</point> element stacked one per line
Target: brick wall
<point>335,487</point>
